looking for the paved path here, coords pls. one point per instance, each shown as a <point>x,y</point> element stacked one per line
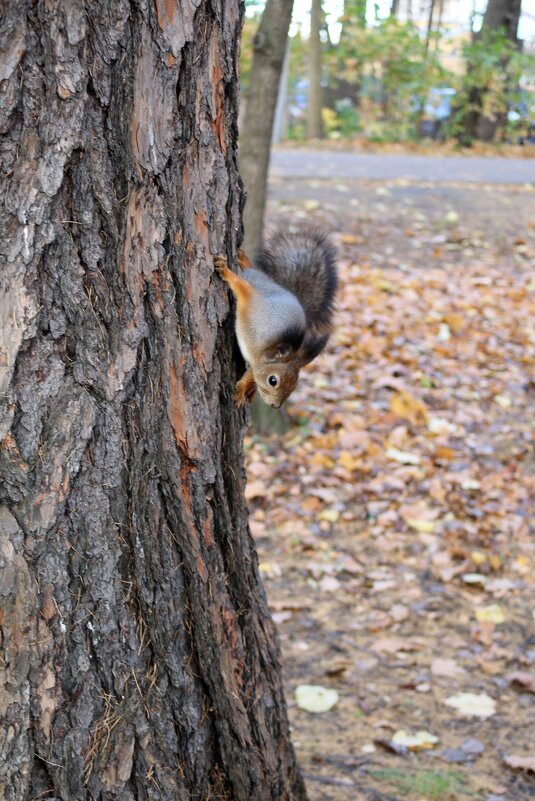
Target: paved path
<point>345,165</point>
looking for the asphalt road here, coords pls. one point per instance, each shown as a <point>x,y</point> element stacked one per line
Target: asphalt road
<point>345,165</point>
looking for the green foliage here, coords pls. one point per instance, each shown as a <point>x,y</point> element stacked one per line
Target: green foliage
<point>491,84</point>
<point>381,80</point>
<point>435,785</point>
<point>393,74</point>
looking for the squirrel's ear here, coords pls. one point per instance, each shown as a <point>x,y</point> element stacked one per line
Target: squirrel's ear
<point>312,348</point>
<point>284,350</point>
<point>287,344</point>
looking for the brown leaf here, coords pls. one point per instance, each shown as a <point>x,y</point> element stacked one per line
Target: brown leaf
<point>446,667</point>
<point>521,762</point>
<point>524,679</point>
<point>392,645</point>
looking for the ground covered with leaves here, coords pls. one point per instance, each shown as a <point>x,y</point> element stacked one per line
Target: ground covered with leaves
<point>395,520</point>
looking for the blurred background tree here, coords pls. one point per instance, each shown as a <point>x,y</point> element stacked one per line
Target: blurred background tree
<point>398,70</point>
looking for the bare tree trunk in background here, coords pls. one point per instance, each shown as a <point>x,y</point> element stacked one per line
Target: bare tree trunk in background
<point>439,24</point>
<point>499,14</point>
<point>255,136</point>
<point>280,120</point>
<point>394,8</point>
<point>138,657</point>
<point>503,13</point>
<point>314,120</point>
<point>429,30</point>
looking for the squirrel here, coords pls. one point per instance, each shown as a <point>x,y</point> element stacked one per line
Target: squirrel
<point>284,310</point>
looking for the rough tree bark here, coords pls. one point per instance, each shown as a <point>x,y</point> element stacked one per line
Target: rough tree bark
<point>269,48</point>
<point>138,657</point>
<point>314,120</point>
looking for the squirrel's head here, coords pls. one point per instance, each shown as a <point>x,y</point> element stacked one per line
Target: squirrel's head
<point>276,375</point>
<point>275,381</point>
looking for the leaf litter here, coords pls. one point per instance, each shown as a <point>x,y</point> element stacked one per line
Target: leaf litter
<point>395,520</point>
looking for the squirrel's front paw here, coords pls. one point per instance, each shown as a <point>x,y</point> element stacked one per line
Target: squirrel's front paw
<point>221,266</point>
<point>245,390</point>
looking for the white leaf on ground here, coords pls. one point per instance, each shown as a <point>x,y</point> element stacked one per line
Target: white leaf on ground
<point>314,698</point>
<point>472,704</point>
<point>403,457</point>
<point>415,742</point>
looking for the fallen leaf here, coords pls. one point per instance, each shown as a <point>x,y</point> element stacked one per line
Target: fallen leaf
<point>423,526</point>
<point>446,667</point>
<point>474,579</point>
<point>503,400</point>
<point>472,704</point>
<point>329,584</point>
<point>438,425</point>
<point>490,614</point>
<point>521,762</point>
<point>281,617</point>
<point>330,515</point>
<point>390,746</point>
<point>451,218</point>
<point>255,489</point>
<point>444,332</point>
<point>410,408</point>
<point>399,613</point>
<point>526,680</point>
<point>403,457</point>
<point>391,645</point>
<point>350,239</point>
<point>415,742</point>
<point>314,698</point>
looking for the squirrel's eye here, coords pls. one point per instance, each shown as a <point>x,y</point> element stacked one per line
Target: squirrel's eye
<point>272,380</point>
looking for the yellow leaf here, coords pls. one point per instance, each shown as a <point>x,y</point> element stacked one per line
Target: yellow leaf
<point>478,557</point>
<point>330,515</point>
<point>347,460</point>
<point>408,407</point>
<point>490,614</point>
<point>322,460</point>
<point>351,239</point>
<point>423,526</point>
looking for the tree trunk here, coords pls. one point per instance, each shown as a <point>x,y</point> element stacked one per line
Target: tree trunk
<point>255,135</point>
<point>499,14</point>
<point>314,120</point>
<point>503,14</point>
<point>429,31</point>
<point>139,661</point>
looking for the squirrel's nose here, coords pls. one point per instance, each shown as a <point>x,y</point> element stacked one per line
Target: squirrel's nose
<point>276,405</point>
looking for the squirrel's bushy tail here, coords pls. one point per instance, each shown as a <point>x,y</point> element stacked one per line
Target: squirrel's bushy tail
<point>304,262</point>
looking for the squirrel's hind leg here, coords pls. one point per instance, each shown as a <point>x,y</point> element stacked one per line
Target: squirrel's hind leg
<point>244,262</point>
